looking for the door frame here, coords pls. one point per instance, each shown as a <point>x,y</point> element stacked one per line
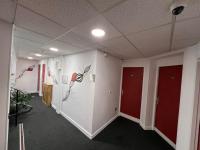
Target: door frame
<point>196,126</point>
<point>170,142</point>
<point>120,97</point>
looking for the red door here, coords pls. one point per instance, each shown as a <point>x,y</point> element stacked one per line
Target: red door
<point>199,139</point>
<point>132,91</point>
<point>38,86</point>
<point>168,99</point>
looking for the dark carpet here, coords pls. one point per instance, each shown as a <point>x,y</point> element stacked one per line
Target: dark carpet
<point>46,130</point>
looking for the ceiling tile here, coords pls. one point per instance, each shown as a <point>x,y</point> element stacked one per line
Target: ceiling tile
<point>24,44</point>
<point>121,48</point>
<point>137,15</point>
<point>84,30</point>
<point>192,10</point>
<point>187,29</point>
<point>64,48</point>
<point>184,43</point>
<point>152,42</point>
<point>24,47</point>
<point>77,40</point>
<point>31,21</point>
<point>102,5</point>
<point>7,10</point>
<point>69,13</point>
<point>31,36</point>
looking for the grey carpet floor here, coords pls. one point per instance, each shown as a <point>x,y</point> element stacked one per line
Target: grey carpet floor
<point>46,130</point>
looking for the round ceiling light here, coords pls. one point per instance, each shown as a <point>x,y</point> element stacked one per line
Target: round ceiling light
<point>98,33</point>
<point>38,55</point>
<point>53,49</point>
<point>30,58</point>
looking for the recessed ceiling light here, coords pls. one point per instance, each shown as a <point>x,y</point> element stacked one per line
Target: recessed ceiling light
<point>37,54</point>
<point>30,58</point>
<point>53,49</point>
<point>98,32</point>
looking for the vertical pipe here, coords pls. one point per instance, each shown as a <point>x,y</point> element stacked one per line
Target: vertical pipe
<point>172,33</point>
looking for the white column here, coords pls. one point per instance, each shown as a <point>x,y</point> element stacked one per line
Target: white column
<point>187,100</point>
<point>5,54</point>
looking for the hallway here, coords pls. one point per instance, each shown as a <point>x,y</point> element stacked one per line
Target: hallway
<point>46,130</point>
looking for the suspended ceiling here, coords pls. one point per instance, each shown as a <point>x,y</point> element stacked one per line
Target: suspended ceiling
<point>134,28</point>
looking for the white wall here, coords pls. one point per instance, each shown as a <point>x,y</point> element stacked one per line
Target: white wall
<point>107,90</point>
<point>187,104</point>
<point>13,66</point>
<point>79,105</point>
<point>28,82</point>
<point>5,55</point>
<point>88,98</point>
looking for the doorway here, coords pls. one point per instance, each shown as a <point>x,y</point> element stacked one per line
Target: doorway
<point>132,91</point>
<point>38,84</point>
<point>168,99</point>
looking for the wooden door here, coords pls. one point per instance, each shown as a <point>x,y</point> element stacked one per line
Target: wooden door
<point>132,91</point>
<point>168,99</point>
<point>43,72</point>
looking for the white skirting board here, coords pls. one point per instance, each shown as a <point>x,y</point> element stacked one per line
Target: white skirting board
<point>91,136</point>
<point>165,138</point>
<point>129,117</point>
<point>148,128</point>
<point>104,126</point>
<point>136,120</point>
<point>88,134</point>
<point>54,107</point>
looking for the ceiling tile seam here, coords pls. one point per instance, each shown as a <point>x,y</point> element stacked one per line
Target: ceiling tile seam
<point>154,27</point>
<point>117,30</point>
<point>64,53</point>
<point>149,29</point>
<point>115,5</point>
<point>46,43</point>
<point>45,51</point>
<point>41,34</point>
<point>41,15</point>
<point>139,51</point>
<point>111,7</point>
<point>182,39</point>
<point>26,39</point>
<point>66,32</point>
<point>166,24</point>
<point>15,11</point>
<point>40,47</point>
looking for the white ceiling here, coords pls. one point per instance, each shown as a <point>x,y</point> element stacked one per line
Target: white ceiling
<point>134,28</point>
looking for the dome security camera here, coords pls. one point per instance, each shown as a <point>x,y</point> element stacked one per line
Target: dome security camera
<point>177,8</point>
